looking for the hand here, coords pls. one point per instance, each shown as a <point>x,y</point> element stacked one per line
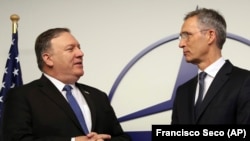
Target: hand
<point>93,136</point>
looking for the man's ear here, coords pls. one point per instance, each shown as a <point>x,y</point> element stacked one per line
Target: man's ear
<point>211,36</point>
<point>47,59</point>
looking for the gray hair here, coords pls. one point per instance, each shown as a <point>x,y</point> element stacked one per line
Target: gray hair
<point>209,18</point>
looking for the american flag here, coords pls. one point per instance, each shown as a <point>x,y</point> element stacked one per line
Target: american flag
<point>12,75</point>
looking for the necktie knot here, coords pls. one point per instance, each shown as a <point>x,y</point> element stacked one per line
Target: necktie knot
<point>202,76</point>
<point>67,88</point>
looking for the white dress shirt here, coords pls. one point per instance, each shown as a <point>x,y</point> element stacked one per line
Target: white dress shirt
<point>211,71</point>
<point>77,95</point>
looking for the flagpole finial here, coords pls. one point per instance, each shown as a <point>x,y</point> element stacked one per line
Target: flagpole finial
<point>14,18</point>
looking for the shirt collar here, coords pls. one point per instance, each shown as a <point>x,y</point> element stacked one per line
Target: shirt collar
<point>213,69</point>
<point>59,85</point>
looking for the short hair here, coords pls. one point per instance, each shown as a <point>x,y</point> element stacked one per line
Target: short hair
<point>43,43</point>
<point>209,18</point>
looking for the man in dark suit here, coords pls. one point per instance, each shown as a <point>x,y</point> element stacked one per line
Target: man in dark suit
<point>40,110</point>
<point>225,97</point>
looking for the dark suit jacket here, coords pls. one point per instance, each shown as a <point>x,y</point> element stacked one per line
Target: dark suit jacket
<point>38,111</point>
<point>227,100</point>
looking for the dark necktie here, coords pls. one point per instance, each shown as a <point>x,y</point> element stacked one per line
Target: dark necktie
<point>202,76</point>
<point>76,108</point>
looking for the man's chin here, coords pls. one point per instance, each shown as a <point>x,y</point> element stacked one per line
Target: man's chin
<point>194,62</point>
<point>188,60</point>
<point>79,74</point>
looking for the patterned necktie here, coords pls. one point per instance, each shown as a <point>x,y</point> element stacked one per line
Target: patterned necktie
<point>202,76</point>
<point>76,108</point>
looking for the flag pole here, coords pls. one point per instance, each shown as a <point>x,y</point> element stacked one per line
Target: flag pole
<point>14,18</point>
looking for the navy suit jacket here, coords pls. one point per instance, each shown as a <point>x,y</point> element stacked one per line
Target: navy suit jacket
<point>38,111</point>
<point>227,100</point>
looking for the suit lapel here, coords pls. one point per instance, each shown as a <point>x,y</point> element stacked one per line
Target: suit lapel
<point>220,79</point>
<point>48,88</point>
